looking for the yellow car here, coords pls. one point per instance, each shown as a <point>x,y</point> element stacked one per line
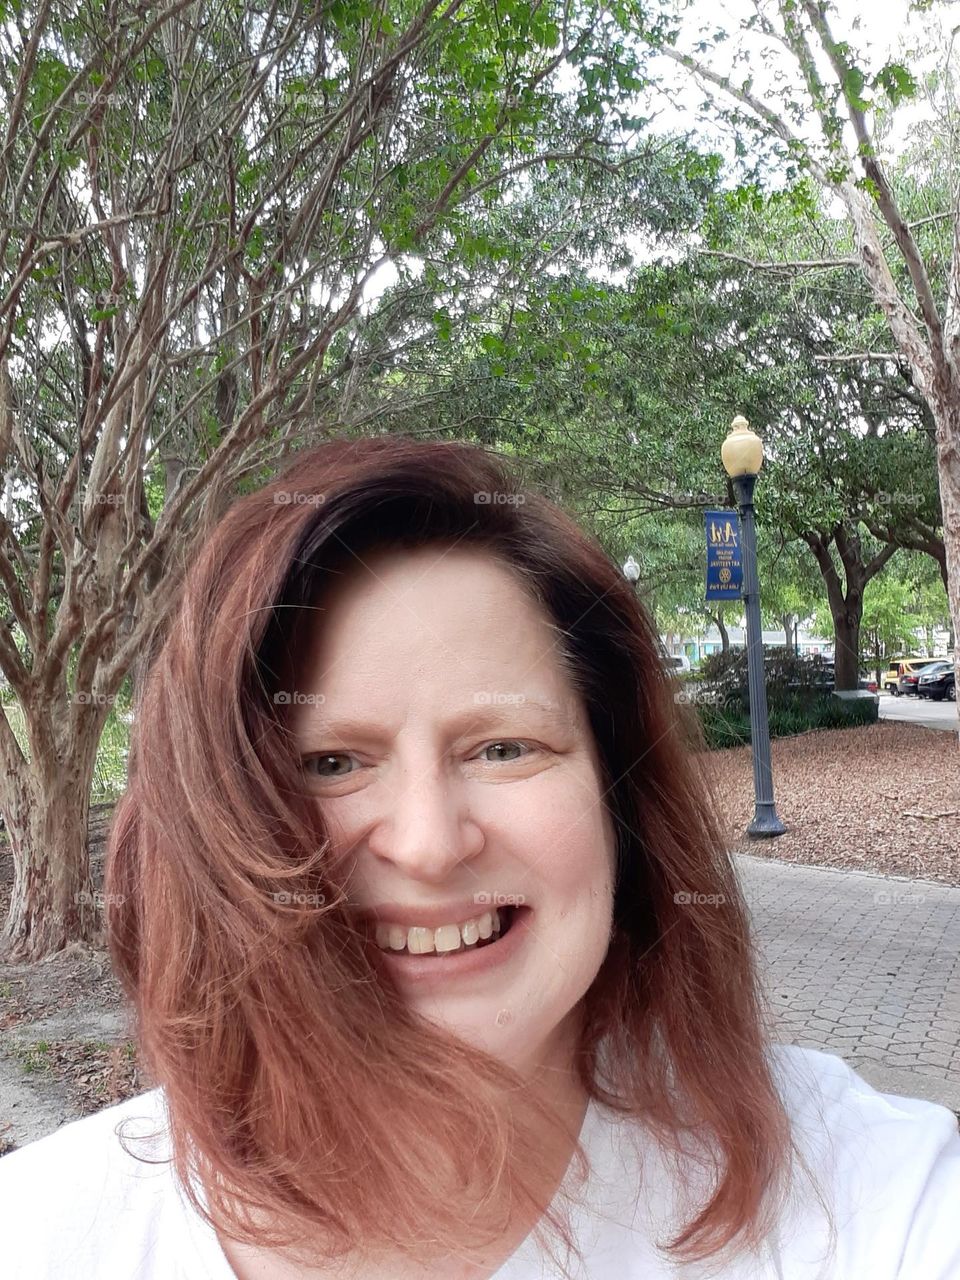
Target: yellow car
<point>890,677</point>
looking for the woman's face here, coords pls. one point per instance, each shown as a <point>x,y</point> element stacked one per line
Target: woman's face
<point>457,773</point>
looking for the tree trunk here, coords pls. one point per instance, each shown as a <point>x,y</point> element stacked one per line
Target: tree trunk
<point>786,621</point>
<point>52,902</point>
<point>942,565</point>
<point>846,658</point>
<point>724,636</point>
<point>947,416</point>
<point>45,803</point>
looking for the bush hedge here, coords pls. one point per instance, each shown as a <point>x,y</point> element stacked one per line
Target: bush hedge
<point>799,698</point>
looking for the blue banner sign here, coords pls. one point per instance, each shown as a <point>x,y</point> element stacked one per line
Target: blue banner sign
<point>724,564</point>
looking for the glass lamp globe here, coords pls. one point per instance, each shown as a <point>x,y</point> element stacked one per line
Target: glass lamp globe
<point>742,451</point>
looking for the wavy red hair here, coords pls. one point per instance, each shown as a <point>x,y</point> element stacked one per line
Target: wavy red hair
<point>300,1088</point>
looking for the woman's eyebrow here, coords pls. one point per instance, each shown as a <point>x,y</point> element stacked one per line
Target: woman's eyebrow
<point>500,708</point>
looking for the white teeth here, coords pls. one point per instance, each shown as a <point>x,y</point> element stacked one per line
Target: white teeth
<point>447,938</point>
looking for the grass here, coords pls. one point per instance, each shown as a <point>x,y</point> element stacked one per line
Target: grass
<point>34,1058</point>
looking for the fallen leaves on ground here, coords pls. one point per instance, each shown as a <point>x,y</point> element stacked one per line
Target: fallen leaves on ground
<point>97,1074</point>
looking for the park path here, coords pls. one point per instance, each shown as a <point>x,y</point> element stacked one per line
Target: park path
<point>863,966</point>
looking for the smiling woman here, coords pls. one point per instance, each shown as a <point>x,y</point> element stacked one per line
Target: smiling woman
<point>437,957</point>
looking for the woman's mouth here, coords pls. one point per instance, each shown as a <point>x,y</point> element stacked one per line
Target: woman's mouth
<point>448,939</point>
<point>428,958</point>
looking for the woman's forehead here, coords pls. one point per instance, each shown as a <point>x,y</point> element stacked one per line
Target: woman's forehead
<point>398,571</point>
<point>445,611</point>
<point>450,633</point>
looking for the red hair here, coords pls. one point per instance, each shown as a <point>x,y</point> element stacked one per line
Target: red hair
<point>299,1085</point>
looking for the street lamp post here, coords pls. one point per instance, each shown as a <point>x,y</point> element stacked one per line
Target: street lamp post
<point>742,454</point>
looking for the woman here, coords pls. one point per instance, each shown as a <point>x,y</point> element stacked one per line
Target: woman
<point>436,954</point>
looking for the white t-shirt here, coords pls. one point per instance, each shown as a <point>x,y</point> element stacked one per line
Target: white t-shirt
<point>75,1206</point>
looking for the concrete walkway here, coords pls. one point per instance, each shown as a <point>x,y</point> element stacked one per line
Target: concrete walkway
<point>863,966</point>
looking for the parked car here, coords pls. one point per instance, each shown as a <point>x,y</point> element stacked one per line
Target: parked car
<point>910,672</point>
<point>828,679</point>
<point>938,682</point>
<point>679,664</point>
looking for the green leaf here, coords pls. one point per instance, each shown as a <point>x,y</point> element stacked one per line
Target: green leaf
<point>492,345</point>
<point>853,82</point>
<point>897,82</point>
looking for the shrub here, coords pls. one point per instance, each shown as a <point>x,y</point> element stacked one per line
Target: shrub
<point>791,712</point>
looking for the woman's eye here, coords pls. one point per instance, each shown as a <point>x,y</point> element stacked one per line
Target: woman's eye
<point>330,765</point>
<point>340,764</point>
<point>501,747</point>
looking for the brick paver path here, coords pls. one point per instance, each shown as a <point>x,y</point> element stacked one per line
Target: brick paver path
<point>864,966</point>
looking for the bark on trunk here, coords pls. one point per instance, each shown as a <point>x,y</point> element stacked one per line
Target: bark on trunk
<point>846,656</point>
<point>724,635</point>
<point>786,621</point>
<point>46,803</point>
<point>947,416</point>
<point>52,902</point>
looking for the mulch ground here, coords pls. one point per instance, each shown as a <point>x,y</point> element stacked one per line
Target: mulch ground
<point>882,798</point>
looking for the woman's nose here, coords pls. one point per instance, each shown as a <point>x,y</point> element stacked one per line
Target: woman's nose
<point>425,828</point>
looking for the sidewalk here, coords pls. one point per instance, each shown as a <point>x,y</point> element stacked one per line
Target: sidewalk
<point>863,966</point>
<point>910,710</point>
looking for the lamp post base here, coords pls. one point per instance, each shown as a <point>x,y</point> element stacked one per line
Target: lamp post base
<point>765,823</point>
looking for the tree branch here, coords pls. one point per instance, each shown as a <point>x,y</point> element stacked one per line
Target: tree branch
<point>860,357</point>
<point>883,192</point>
<point>809,264</point>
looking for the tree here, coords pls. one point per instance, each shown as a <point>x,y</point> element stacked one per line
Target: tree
<point>616,397</point>
<point>790,587</point>
<point>848,95</point>
<point>846,583</point>
<point>193,205</point>
<point>899,602</point>
<point>852,470</point>
<point>902,606</point>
